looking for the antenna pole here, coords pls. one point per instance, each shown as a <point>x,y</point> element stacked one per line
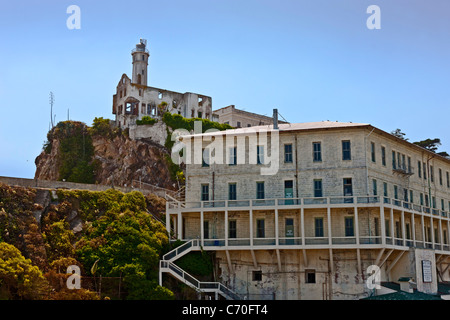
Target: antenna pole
<point>52,100</point>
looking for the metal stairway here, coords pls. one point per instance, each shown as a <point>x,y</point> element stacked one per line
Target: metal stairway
<point>167,265</point>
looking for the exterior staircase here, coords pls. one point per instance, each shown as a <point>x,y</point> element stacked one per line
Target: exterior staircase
<point>167,265</point>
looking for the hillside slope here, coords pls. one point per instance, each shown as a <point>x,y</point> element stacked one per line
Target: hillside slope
<point>103,155</point>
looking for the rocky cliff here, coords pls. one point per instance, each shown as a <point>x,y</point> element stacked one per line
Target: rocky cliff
<point>109,155</point>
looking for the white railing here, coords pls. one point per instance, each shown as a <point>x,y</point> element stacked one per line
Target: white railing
<point>180,274</point>
<point>306,202</point>
<point>182,250</point>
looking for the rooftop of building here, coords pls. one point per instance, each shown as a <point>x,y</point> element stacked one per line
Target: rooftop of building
<point>320,125</point>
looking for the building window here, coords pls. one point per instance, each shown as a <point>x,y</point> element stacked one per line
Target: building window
<point>199,114</point>
<point>349,228</point>
<point>232,229</point>
<point>385,189</point>
<point>318,227</point>
<point>395,192</point>
<point>260,230</point>
<point>372,151</point>
<point>257,275</point>
<point>411,196</point>
<point>346,150</point>
<point>206,229</point>
<point>205,157</point>
<point>260,190</point>
<point>232,156</point>
<point>394,165</point>
<point>289,191</point>
<point>448,179</point>
<point>238,124</point>
<point>348,189</point>
<point>205,192</point>
<point>288,153</point>
<point>442,205</point>
<point>260,155</point>
<point>232,191</point>
<point>427,201</point>
<point>310,276</point>
<point>397,229</point>
<point>424,171</point>
<point>374,187</point>
<point>431,173</point>
<point>440,177</point>
<point>317,152</point>
<point>419,169</point>
<point>318,188</point>
<point>376,227</point>
<point>383,156</point>
<point>387,227</point>
<point>421,199</point>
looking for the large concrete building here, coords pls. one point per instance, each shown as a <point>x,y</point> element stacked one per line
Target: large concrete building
<point>135,99</point>
<point>335,200</point>
<point>238,118</point>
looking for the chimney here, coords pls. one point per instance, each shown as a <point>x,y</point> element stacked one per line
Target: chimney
<point>275,119</point>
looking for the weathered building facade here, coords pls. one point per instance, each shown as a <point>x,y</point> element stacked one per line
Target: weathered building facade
<point>135,99</point>
<point>336,199</point>
<point>238,118</point>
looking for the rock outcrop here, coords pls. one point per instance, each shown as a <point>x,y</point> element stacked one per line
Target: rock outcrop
<point>118,160</point>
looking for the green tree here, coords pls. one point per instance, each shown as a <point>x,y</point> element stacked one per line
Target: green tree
<point>429,144</point>
<point>126,242</point>
<point>19,279</point>
<point>399,134</point>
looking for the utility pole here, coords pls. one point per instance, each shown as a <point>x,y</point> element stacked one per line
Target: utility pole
<point>52,101</point>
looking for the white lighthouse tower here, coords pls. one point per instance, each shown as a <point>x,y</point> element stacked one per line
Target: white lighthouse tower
<point>140,62</point>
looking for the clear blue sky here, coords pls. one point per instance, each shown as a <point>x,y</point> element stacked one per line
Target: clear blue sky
<point>313,60</point>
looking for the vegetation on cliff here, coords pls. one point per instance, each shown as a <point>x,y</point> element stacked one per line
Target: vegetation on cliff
<point>117,249</point>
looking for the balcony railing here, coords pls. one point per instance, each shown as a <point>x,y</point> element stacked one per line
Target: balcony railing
<point>281,203</point>
<point>324,241</point>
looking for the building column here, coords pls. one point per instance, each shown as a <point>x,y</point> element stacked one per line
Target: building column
<point>403,228</point>
<point>422,220</point>
<point>356,225</point>
<point>226,227</point>
<point>302,225</point>
<point>382,226</point>
<point>202,231</point>
<point>276,228</point>
<point>330,241</point>
<point>432,230</point>
<point>251,227</point>
<point>392,226</point>
<point>180,226</point>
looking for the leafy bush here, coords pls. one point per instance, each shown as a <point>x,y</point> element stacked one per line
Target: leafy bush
<point>176,121</point>
<point>19,278</point>
<point>76,152</point>
<point>146,120</point>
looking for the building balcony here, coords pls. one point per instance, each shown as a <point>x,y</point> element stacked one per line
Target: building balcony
<point>174,207</point>
<point>404,219</point>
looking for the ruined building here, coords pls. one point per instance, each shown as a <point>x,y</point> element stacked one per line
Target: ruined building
<point>306,210</point>
<point>135,99</point>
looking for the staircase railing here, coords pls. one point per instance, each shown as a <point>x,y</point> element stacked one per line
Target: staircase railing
<point>180,274</point>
